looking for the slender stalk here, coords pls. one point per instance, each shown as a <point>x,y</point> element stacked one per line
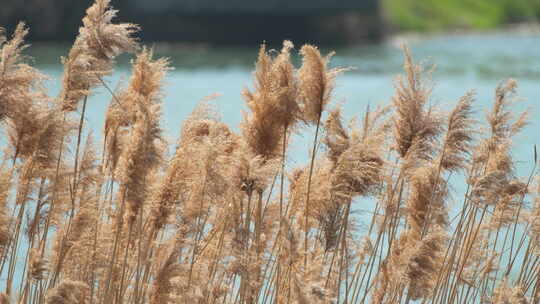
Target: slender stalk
<point>311,166</point>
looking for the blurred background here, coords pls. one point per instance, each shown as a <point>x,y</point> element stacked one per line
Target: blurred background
<point>245,21</point>
<point>474,44</point>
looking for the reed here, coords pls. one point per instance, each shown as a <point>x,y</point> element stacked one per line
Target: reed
<point>224,219</point>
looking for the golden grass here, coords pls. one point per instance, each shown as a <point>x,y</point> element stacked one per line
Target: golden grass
<point>208,224</point>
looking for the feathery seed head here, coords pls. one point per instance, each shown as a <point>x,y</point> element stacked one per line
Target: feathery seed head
<point>416,125</point>
<point>92,54</point>
<point>68,292</point>
<point>459,135</point>
<point>316,83</point>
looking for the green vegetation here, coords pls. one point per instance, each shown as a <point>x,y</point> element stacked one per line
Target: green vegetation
<point>425,15</point>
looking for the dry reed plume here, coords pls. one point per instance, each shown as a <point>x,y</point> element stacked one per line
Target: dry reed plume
<point>217,221</point>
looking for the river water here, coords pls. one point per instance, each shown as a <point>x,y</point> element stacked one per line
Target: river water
<point>463,62</point>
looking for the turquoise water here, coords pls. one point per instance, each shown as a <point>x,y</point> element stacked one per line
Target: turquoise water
<point>464,62</point>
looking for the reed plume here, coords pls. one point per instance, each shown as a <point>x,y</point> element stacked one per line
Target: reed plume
<point>428,194</point>
<point>285,87</point>
<point>92,54</point>
<point>535,214</point>
<point>18,80</point>
<point>68,292</point>
<point>457,144</point>
<point>143,152</point>
<point>507,294</point>
<point>355,156</point>
<point>38,266</point>
<point>162,289</point>
<point>5,218</point>
<point>416,125</point>
<point>260,128</point>
<point>316,83</point>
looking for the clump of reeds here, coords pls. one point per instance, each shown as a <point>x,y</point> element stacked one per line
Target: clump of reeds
<point>216,221</point>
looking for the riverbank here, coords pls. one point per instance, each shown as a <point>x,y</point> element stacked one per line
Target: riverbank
<point>444,15</point>
<point>491,54</point>
<point>518,29</point>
